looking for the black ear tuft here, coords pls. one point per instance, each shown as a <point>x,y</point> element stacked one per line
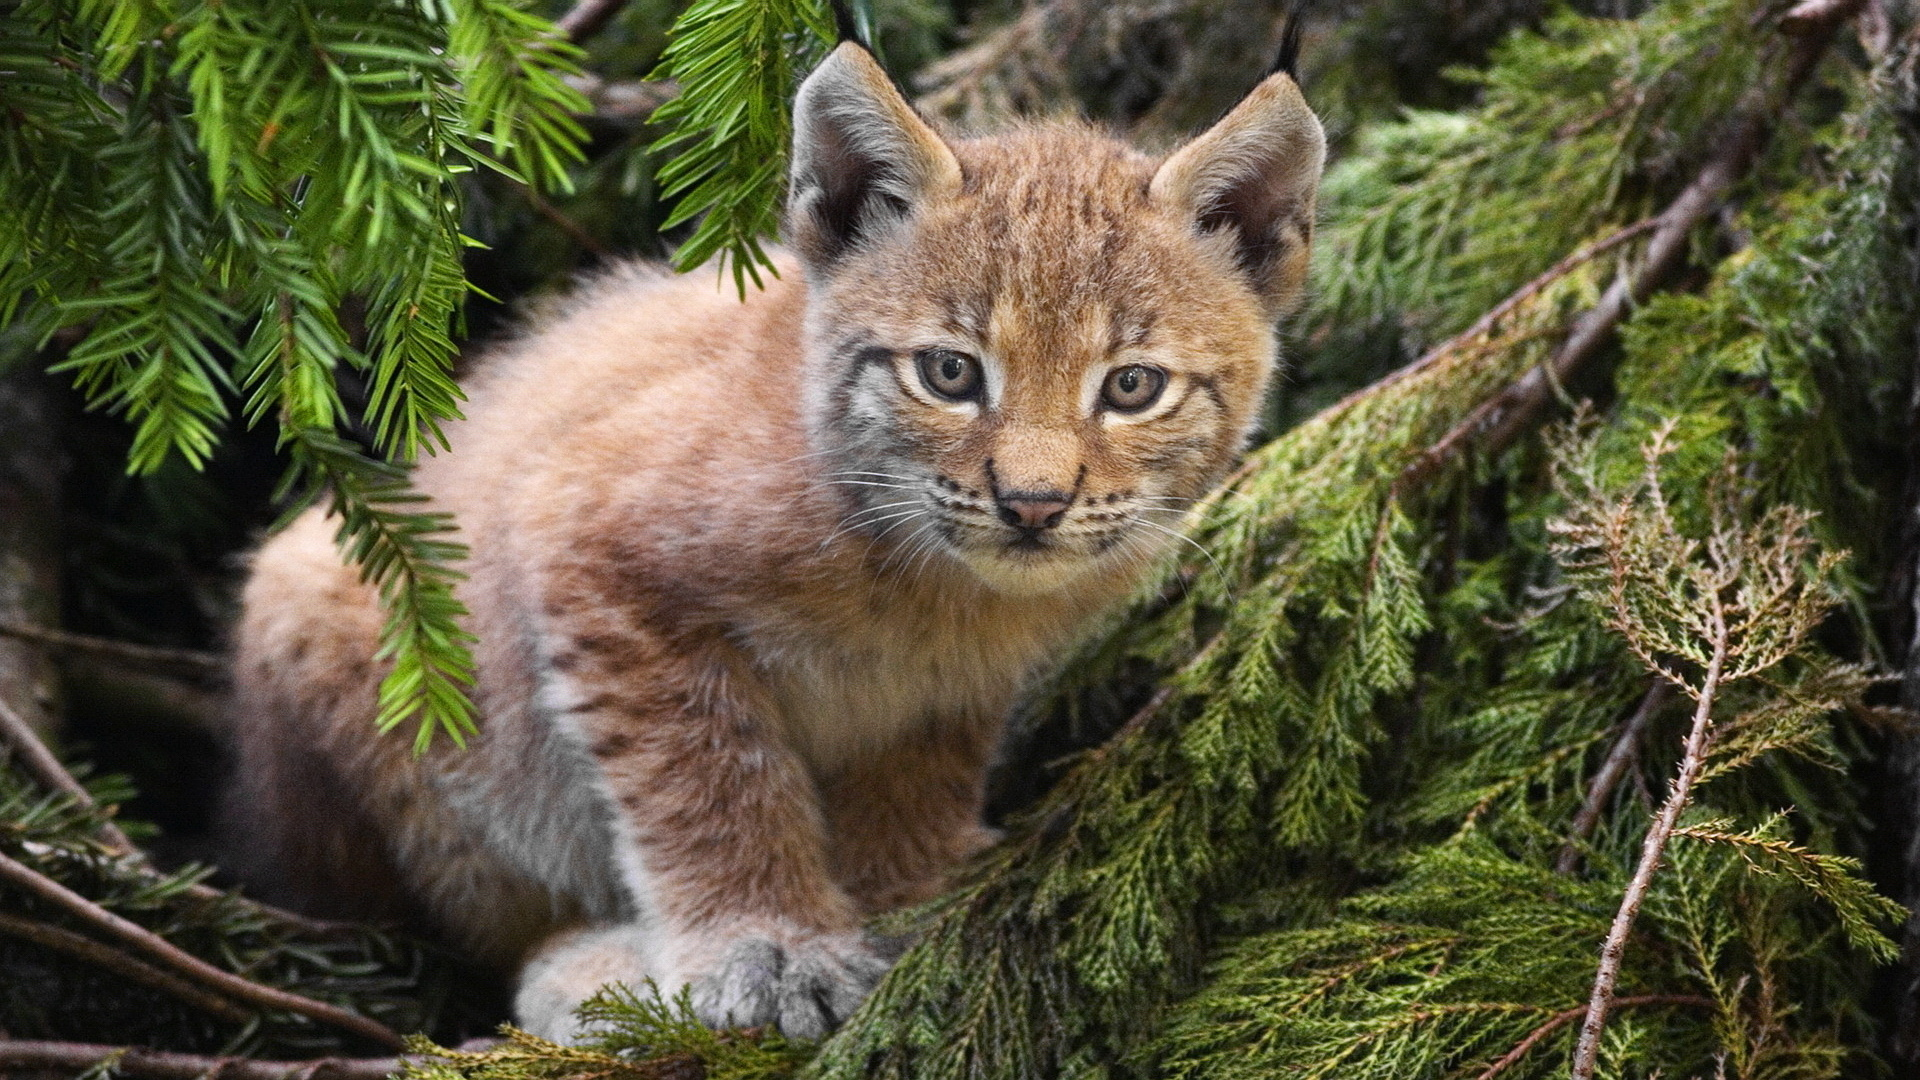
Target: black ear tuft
<point>847,25</point>
<point>1288,61</point>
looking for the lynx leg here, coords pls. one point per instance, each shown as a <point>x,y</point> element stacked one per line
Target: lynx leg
<point>718,838</point>
<point>902,820</point>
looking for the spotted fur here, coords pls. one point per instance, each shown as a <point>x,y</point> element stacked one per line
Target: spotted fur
<point>751,596</point>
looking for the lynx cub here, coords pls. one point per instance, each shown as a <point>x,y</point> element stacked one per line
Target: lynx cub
<point>755,583</point>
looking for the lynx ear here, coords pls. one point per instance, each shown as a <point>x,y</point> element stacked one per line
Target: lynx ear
<point>862,158</point>
<point>1254,174</point>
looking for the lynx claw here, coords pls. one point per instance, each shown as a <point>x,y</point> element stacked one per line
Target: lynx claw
<point>805,988</point>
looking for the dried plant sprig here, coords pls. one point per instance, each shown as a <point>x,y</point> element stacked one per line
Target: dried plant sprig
<point>1702,612</point>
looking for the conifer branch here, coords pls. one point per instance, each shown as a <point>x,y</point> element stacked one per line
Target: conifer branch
<point>185,963</point>
<point>1487,324</point>
<point>47,769</point>
<point>87,1058</point>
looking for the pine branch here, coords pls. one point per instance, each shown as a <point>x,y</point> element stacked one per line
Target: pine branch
<point>47,769</point>
<point>408,555</point>
<point>1497,423</point>
<point>186,963</point>
<point>728,129</point>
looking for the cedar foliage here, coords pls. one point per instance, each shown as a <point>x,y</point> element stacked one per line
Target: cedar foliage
<point>1320,817</point>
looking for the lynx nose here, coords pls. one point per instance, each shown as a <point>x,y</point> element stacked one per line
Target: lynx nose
<point>1033,510</point>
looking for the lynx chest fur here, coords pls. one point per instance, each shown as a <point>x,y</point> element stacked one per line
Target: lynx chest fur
<point>754,584</point>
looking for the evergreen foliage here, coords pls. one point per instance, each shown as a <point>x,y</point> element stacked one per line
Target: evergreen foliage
<point>737,63</point>
<point>197,189</point>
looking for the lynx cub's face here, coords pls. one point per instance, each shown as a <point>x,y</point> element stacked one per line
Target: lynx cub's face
<point>1030,353</point>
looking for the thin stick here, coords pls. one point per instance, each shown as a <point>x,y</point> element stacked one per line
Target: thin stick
<point>186,963</point>
<point>163,1065</point>
<point>1681,793</point>
<point>47,769</point>
<point>112,959</point>
<point>1626,748</point>
<point>203,664</point>
<point>588,18</point>
<point>1562,1019</point>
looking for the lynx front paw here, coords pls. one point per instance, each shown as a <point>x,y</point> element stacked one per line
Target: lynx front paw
<point>571,967</point>
<point>806,986</point>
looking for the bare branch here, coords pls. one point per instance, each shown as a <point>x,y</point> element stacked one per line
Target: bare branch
<point>1626,748</point>
<point>163,1065</point>
<point>588,18</point>
<point>1562,1019</point>
<point>202,664</point>
<point>186,963</point>
<point>119,963</point>
<point>47,769</point>
<point>625,100</point>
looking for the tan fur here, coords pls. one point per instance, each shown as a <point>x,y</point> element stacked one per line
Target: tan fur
<point>748,614</point>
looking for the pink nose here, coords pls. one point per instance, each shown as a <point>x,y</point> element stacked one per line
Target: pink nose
<point>1033,509</point>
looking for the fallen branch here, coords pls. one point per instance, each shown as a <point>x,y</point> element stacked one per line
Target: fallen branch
<point>1486,324</point>
<point>162,1065</point>
<point>186,963</point>
<point>1626,748</point>
<point>1562,1019</point>
<point>119,963</point>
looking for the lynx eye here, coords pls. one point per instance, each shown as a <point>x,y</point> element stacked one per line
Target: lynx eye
<point>1132,388</point>
<point>953,375</point>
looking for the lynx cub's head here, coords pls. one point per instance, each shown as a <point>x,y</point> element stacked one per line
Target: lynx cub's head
<point>1031,352</point>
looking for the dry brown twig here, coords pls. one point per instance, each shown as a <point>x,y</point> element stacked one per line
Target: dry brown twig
<point>1701,614</point>
<point>1562,1019</point>
<point>200,664</point>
